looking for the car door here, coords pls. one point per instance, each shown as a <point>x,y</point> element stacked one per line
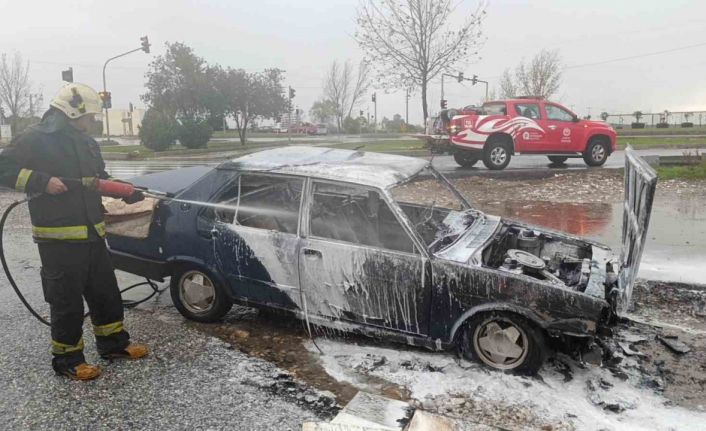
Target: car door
<point>255,238</point>
<point>563,133</point>
<point>527,127</point>
<point>358,263</point>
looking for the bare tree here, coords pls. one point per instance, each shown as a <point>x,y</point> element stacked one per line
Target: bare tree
<point>410,42</point>
<point>507,86</point>
<point>540,77</point>
<point>16,89</point>
<point>344,88</point>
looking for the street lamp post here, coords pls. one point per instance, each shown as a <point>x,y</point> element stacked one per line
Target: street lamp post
<point>145,46</point>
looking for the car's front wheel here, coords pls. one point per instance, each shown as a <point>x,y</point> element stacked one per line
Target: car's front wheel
<point>504,341</point>
<point>496,155</point>
<point>466,159</point>
<point>197,295</point>
<point>596,152</point>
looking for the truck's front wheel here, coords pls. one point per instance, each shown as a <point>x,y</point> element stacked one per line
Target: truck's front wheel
<point>466,159</point>
<point>496,155</point>
<point>596,152</point>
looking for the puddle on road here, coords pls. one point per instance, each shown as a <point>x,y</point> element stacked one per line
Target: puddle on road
<point>280,340</point>
<point>676,240</point>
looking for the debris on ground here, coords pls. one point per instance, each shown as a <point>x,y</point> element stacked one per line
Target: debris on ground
<point>674,344</point>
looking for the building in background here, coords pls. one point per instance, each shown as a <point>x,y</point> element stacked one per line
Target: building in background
<point>124,122</point>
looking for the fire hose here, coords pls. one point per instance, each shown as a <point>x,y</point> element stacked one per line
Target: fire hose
<point>105,188</point>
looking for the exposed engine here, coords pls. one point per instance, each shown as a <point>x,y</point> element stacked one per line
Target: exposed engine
<point>541,255</point>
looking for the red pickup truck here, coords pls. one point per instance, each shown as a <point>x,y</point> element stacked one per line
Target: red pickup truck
<point>500,129</point>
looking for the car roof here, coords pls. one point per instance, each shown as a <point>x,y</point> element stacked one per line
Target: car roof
<point>367,168</point>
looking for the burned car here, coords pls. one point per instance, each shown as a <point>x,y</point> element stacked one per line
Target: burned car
<point>385,246</point>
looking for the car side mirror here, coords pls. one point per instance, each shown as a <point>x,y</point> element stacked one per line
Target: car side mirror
<point>575,119</point>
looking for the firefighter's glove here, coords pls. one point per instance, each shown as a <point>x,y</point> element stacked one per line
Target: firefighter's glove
<point>137,196</point>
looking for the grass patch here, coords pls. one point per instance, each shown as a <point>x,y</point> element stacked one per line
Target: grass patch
<point>668,131</point>
<point>689,172</point>
<point>384,146</point>
<point>663,142</point>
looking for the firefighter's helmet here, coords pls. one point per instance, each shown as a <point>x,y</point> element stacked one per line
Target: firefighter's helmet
<point>76,100</point>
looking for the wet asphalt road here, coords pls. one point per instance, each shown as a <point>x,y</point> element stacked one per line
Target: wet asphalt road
<point>189,381</point>
<point>446,164</point>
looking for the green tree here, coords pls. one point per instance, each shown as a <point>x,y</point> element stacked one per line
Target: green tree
<point>637,115</point>
<point>159,130</point>
<point>179,83</point>
<point>248,96</point>
<point>323,111</point>
<point>195,133</point>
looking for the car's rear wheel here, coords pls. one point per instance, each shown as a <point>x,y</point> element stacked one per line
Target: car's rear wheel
<point>197,294</point>
<point>504,341</point>
<point>596,152</point>
<point>557,160</point>
<point>466,159</point>
<point>496,155</point>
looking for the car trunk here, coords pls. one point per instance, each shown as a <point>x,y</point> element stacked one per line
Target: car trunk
<point>640,185</point>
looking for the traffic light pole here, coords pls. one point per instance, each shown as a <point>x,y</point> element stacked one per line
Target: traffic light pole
<point>105,89</point>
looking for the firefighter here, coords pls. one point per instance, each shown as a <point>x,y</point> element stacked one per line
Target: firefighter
<point>57,162</point>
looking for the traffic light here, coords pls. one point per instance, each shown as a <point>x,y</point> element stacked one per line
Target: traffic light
<point>474,80</point>
<point>460,76</point>
<point>106,98</point>
<point>145,44</point>
<point>67,75</point>
<point>292,93</point>
<point>374,97</point>
<point>444,103</point>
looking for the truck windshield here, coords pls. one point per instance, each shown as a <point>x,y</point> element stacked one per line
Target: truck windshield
<point>434,208</point>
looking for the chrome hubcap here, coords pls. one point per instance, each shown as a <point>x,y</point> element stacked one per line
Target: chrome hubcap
<point>500,344</point>
<point>498,155</point>
<point>196,292</point>
<point>598,153</point>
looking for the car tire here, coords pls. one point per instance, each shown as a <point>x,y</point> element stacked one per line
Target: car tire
<point>487,338</point>
<point>466,159</point>
<point>596,152</point>
<point>557,160</point>
<point>207,303</point>
<point>496,155</point>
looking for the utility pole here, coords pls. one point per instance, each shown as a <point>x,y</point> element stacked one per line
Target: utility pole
<point>292,93</point>
<point>375,115</point>
<point>144,46</point>
<point>406,109</point>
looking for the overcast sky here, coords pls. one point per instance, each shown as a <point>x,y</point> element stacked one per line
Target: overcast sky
<point>304,36</point>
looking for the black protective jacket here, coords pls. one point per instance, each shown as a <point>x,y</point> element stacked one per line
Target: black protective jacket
<point>54,148</point>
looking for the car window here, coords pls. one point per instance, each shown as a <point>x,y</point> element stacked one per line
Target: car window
<point>357,215</point>
<point>558,114</point>
<point>261,201</point>
<point>529,110</point>
<point>495,109</point>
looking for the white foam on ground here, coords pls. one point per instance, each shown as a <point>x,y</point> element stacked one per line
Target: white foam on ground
<point>551,398</point>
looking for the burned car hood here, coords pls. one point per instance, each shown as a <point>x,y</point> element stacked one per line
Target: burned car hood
<point>564,260</point>
<point>172,181</point>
